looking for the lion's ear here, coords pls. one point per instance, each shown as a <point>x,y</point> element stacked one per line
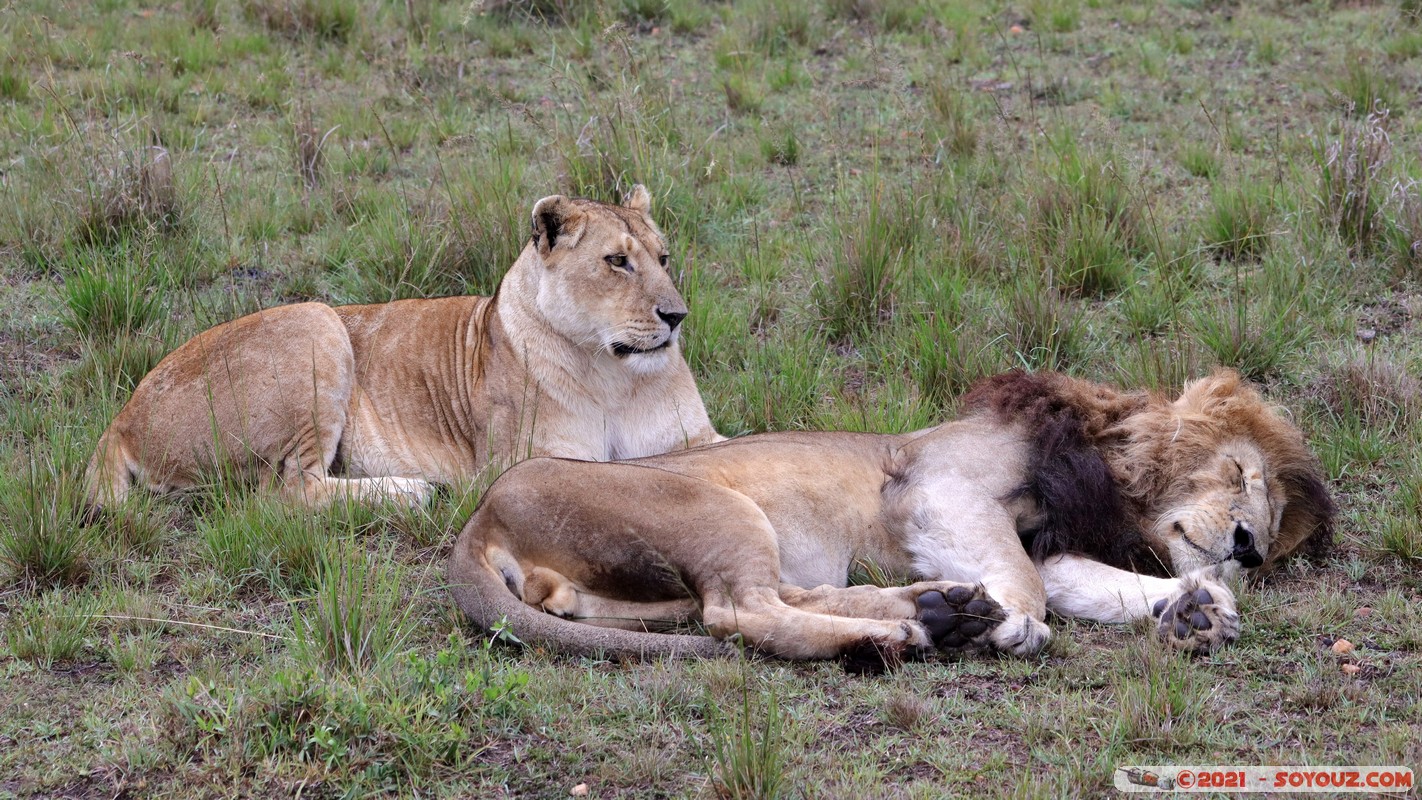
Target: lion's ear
<point>1200,395</point>
<point>557,223</point>
<point>1307,526</point>
<point>638,199</point>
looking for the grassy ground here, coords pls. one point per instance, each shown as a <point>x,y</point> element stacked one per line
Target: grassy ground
<point>872,203</point>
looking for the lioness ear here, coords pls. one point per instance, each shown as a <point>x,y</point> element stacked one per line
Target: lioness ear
<point>556,222</point>
<point>638,199</point>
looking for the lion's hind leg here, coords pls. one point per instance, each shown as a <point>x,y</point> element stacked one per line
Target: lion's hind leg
<point>774,627</point>
<point>555,594</point>
<point>957,616</point>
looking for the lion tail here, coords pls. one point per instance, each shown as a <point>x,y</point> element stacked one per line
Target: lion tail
<point>482,593</point>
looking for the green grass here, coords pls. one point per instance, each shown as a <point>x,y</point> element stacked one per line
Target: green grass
<point>870,204</point>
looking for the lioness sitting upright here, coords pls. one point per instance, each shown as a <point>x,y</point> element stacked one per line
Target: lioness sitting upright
<point>575,355</point>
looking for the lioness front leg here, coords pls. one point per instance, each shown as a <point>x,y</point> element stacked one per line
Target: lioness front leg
<point>1196,612</point>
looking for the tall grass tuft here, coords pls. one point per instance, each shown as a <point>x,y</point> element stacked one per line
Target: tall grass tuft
<point>1237,226</point>
<point>1364,87</point>
<point>42,540</point>
<point>1042,326</point>
<point>262,542</point>
<point>112,291</point>
<point>1087,231</point>
<point>136,195</point>
<point>952,120</point>
<point>328,20</point>
<point>1372,386</point>
<point>1352,181</point>
<point>358,618</point>
<point>868,262</point>
<point>1257,338</point>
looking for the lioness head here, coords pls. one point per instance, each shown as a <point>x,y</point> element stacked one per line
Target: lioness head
<point>1235,479</point>
<point>604,283</point>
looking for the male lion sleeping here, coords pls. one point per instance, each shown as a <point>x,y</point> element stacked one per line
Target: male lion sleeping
<point>1049,493</point>
<point>575,355</point>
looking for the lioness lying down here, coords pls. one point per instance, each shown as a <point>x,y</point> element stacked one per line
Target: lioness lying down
<point>1050,493</point>
<point>575,355</point>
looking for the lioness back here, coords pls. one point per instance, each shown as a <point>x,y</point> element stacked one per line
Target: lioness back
<point>576,355</point>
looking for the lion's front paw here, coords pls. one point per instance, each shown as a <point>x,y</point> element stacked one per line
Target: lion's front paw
<point>962,618</point>
<point>1200,618</point>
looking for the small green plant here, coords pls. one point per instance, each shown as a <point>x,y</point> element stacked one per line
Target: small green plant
<point>749,758</point>
<point>358,618</point>
<point>1200,160</point>
<point>1238,224</point>
<point>781,148</point>
<point>1156,697</point>
<point>50,629</point>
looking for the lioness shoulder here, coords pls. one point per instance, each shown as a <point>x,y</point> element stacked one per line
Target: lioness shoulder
<point>576,355</point>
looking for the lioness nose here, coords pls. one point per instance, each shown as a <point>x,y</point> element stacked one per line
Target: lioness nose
<point>671,318</point>
<point>1244,551</point>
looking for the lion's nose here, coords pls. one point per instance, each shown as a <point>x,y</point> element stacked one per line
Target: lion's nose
<point>671,318</point>
<point>1244,550</point>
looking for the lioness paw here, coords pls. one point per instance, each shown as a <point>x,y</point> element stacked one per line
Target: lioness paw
<point>880,654</point>
<point>411,492</point>
<point>962,618</point>
<point>1199,618</point>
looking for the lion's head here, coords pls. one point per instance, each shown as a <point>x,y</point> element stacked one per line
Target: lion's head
<point>1220,475</point>
<point>605,283</point>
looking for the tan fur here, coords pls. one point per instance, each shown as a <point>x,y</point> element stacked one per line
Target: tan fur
<point>757,535</point>
<point>575,356</point>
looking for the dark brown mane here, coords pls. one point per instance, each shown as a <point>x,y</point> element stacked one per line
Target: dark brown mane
<point>1083,510</point>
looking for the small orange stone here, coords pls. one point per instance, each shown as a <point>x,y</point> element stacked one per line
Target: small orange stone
<point>1351,669</point>
<point>1342,646</point>
<point>1363,611</point>
<point>1016,29</point>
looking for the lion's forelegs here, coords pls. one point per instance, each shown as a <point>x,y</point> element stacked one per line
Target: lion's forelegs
<point>957,531</point>
<point>1195,612</point>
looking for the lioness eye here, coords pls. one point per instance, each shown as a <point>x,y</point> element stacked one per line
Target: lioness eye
<point>663,258</point>
<point>619,261</point>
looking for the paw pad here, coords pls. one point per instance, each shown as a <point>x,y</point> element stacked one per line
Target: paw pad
<point>960,618</point>
<point>1193,621</point>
